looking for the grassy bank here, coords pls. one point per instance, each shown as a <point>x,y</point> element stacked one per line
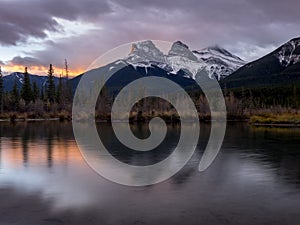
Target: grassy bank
<point>258,118</point>
<point>285,119</point>
<point>15,116</point>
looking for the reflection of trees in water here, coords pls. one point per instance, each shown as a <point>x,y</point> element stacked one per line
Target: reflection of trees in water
<point>25,139</point>
<point>274,147</point>
<point>140,130</point>
<point>49,151</point>
<point>37,130</point>
<point>183,176</point>
<point>34,132</point>
<point>0,149</point>
<point>281,150</point>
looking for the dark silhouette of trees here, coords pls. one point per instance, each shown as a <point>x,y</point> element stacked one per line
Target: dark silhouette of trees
<point>27,99</point>
<point>54,100</point>
<point>67,89</point>
<point>42,94</point>
<point>35,92</point>
<point>59,97</point>
<point>26,92</point>
<point>67,69</point>
<point>1,90</point>
<point>15,96</point>
<point>51,95</point>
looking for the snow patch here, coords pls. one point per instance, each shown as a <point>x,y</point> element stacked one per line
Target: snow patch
<point>287,55</point>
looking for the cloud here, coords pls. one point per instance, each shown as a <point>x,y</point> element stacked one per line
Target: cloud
<point>20,20</point>
<point>25,61</point>
<point>249,28</point>
<point>221,21</point>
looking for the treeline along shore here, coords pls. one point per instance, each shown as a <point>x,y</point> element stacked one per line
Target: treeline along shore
<point>271,105</point>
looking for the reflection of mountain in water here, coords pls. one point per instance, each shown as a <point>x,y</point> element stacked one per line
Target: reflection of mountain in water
<point>255,166</point>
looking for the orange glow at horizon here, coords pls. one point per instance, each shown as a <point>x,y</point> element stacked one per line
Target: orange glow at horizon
<point>41,70</point>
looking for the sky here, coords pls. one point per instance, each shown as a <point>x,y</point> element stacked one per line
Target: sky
<point>35,33</point>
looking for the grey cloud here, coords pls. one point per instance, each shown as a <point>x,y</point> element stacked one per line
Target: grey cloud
<point>225,20</point>
<point>26,61</point>
<point>253,24</point>
<point>224,10</point>
<point>20,20</point>
<point>197,24</point>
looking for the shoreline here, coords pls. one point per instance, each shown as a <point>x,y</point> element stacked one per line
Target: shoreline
<point>275,125</point>
<point>257,121</point>
<point>275,120</point>
<point>29,120</point>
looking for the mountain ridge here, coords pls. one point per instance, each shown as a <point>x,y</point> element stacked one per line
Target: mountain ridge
<point>217,61</point>
<point>279,67</point>
<point>9,80</point>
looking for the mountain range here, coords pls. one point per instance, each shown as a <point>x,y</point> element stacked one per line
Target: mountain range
<point>18,77</point>
<point>181,64</point>
<point>217,61</point>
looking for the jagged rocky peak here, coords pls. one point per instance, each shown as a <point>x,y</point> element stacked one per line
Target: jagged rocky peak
<point>180,49</point>
<point>217,61</point>
<point>289,53</point>
<point>145,51</point>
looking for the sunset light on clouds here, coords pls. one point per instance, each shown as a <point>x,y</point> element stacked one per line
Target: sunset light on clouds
<point>80,31</point>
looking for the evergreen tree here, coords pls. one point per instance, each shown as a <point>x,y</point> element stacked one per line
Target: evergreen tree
<point>1,90</point>
<point>42,95</point>
<point>35,92</point>
<point>59,90</point>
<point>67,89</point>
<point>26,92</point>
<point>67,69</point>
<point>15,97</point>
<point>51,85</point>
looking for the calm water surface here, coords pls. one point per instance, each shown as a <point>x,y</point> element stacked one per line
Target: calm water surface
<point>44,180</point>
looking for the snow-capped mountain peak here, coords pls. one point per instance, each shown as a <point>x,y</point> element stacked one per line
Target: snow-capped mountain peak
<point>180,57</point>
<point>145,51</point>
<point>218,62</point>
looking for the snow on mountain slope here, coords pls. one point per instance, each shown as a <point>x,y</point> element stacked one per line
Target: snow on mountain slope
<point>289,53</point>
<point>181,58</point>
<point>218,62</point>
<point>145,52</point>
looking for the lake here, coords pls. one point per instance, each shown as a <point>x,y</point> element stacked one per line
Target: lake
<point>255,179</point>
